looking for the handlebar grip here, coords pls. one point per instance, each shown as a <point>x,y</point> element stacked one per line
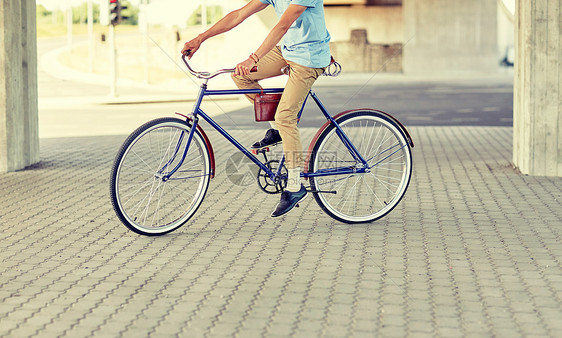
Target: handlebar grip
<point>206,75</point>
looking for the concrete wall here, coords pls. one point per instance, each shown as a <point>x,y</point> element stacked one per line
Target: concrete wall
<point>366,38</point>
<point>359,55</point>
<point>19,140</point>
<point>537,123</point>
<point>450,36</point>
<point>383,23</point>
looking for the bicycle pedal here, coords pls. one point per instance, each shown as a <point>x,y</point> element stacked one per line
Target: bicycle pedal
<point>260,150</point>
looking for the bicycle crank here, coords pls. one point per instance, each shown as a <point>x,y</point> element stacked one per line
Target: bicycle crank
<point>276,185</point>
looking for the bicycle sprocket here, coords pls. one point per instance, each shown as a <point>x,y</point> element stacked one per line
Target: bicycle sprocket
<point>269,185</point>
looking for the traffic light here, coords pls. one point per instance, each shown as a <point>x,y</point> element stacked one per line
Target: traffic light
<point>114,12</point>
<point>115,8</point>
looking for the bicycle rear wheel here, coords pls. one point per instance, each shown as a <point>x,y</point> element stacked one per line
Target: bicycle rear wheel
<point>361,197</point>
<point>144,200</point>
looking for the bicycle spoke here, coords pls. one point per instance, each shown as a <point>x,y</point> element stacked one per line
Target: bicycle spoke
<point>385,184</point>
<point>377,150</point>
<point>143,161</point>
<point>388,177</point>
<point>374,165</point>
<point>141,202</point>
<point>157,211</point>
<point>170,159</point>
<point>185,200</point>
<point>138,190</point>
<point>346,197</point>
<point>139,169</point>
<point>382,152</point>
<point>375,195</point>
<point>342,183</point>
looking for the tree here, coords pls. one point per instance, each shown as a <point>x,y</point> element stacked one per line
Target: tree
<point>80,13</point>
<point>42,11</point>
<point>132,14</point>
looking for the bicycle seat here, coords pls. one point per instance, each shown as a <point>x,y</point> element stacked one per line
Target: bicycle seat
<point>333,69</point>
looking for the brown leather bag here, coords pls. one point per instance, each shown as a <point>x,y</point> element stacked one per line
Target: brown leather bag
<point>265,106</point>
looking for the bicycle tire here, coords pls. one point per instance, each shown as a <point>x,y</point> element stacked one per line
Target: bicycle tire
<point>145,202</point>
<point>367,197</point>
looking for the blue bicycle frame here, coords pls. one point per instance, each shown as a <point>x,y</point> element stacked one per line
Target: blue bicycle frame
<point>198,112</point>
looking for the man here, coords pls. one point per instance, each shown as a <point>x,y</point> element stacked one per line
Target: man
<point>305,49</point>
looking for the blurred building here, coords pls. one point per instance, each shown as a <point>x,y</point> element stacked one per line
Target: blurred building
<point>414,36</point>
<point>410,36</point>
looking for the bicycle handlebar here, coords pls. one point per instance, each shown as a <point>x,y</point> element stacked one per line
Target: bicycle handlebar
<point>207,75</point>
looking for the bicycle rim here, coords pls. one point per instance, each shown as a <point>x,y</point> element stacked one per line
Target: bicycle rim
<point>143,200</point>
<point>368,196</point>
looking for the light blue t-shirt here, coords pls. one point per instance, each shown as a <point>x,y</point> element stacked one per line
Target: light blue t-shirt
<point>307,40</point>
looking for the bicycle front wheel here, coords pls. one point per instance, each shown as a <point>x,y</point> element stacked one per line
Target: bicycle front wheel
<point>368,196</point>
<point>143,197</point>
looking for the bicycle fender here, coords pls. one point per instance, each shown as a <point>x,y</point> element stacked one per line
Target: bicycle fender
<point>337,116</point>
<point>207,143</point>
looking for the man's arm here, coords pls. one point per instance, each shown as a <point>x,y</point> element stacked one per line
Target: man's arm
<point>225,24</point>
<point>289,16</point>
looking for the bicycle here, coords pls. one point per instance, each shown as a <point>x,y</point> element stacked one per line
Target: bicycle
<point>358,166</point>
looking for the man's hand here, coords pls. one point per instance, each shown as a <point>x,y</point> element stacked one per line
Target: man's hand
<point>244,67</point>
<point>191,46</point>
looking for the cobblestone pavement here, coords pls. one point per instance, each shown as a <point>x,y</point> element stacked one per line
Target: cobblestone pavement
<point>474,249</point>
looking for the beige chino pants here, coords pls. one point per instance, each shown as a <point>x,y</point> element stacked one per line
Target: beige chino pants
<point>300,81</point>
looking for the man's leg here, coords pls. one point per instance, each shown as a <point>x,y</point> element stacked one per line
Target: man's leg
<point>268,66</point>
<point>300,81</point>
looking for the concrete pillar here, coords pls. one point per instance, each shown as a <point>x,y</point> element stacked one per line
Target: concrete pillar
<point>19,137</point>
<point>444,36</point>
<point>537,122</point>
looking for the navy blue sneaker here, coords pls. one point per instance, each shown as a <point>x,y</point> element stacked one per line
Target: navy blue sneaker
<point>288,201</point>
<point>271,138</point>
